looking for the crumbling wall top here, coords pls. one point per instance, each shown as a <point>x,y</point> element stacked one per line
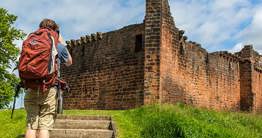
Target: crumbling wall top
<point>85,39</point>
<point>95,37</point>
<point>226,55</point>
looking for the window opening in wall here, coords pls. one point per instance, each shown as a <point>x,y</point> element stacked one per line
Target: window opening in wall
<point>139,43</point>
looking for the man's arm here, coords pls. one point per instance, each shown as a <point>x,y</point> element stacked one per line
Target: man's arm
<point>63,54</point>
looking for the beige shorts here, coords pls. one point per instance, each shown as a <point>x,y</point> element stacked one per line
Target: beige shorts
<point>40,108</point>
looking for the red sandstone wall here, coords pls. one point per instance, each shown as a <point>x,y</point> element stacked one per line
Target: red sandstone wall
<point>152,46</point>
<point>171,90</point>
<point>246,94</point>
<point>257,88</point>
<point>256,78</point>
<point>224,81</point>
<point>107,73</point>
<point>190,75</point>
<point>250,74</point>
<point>112,74</point>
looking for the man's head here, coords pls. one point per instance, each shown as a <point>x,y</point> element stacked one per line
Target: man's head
<point>48,23</point>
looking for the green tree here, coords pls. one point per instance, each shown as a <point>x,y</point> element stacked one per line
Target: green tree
<point>8,56</point>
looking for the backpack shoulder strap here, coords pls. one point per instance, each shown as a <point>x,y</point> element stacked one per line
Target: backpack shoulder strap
<point>53,55</point>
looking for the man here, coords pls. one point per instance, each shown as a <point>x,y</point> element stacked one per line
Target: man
<point>41,106</point>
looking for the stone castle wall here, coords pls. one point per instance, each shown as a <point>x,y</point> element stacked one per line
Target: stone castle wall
<point>256,78</point>
<point>189,74</point>
<point>256,81</point>
<point>250,82</point>
<point>153,62</point>
<point>108,70</point>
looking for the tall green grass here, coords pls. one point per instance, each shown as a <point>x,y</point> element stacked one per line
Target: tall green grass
<point>160,121</point>
<point>12,128</point>
<point>180,121</point>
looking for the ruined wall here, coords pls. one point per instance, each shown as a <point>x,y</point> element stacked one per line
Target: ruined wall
<point>154,63</point>
<point>257,87</point>
<point>246,95</point>
<point>107,70</point>
<point>223,81</point>
<point>170,88</point>
<point>152,57</point>
<point>250,82</point>
<point>256,77</point>
<point>190,75</point>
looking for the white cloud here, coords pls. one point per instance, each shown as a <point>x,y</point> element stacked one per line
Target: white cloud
<point>77,18</point>
<point>219,5</point>
<point>214,23</point>
<point>253,33</point>
<point>236,48</point>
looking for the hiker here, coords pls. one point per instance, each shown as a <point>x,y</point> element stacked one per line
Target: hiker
<point>39,71</point>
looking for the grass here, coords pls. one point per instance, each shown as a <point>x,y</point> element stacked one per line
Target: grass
<point>12,128</point>
<point>160,121</point>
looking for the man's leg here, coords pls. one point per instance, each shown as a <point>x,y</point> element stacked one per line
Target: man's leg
<point>30,133</point>
<point>47,112</point>
<point>43,134</point>
<point>32,110</point>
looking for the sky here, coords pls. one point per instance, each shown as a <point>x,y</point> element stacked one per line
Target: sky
<point>217,25</point>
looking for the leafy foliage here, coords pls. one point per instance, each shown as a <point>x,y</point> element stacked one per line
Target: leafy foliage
<point>8,56</point>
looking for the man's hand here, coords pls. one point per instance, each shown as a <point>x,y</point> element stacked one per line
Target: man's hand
<point>69,61</point>
<point>61,40</point>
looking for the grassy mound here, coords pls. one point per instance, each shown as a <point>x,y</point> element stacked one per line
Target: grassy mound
<point>161,121</point>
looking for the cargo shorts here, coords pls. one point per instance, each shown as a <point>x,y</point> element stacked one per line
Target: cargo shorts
<point>40,108</point>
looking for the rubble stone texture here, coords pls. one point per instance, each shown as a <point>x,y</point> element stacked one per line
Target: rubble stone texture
<point>153,62</point>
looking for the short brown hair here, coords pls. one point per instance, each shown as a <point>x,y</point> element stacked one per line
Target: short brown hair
<point>48,23</point>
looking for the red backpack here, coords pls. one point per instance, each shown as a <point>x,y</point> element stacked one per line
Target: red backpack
<point>37,64</point>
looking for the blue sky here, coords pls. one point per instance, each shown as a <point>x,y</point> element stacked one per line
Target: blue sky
<point>216,24</point>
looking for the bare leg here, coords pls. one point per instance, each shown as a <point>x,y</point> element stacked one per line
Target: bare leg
<point>30,133</point>
<point>43,134</point>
